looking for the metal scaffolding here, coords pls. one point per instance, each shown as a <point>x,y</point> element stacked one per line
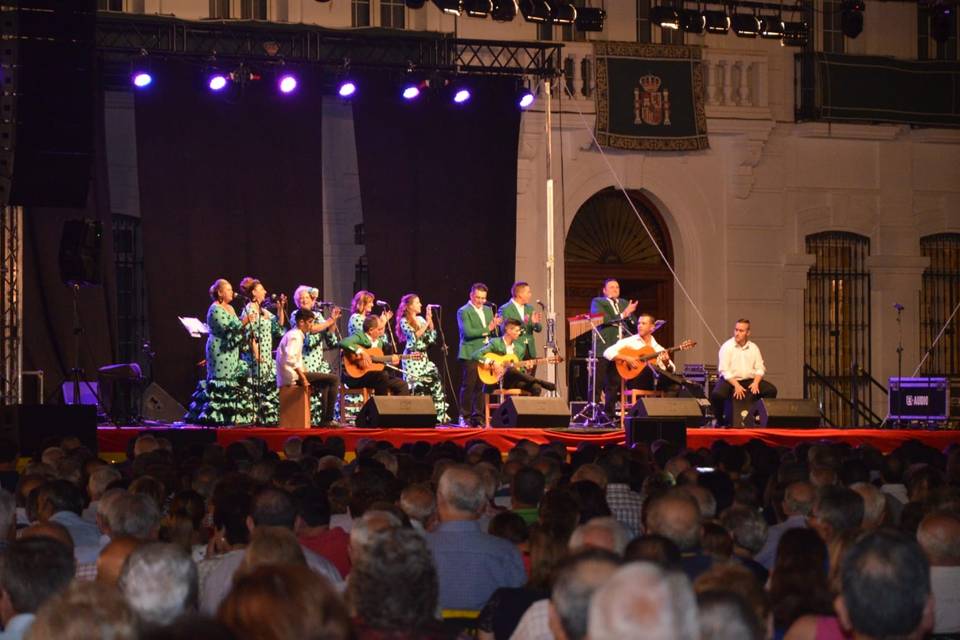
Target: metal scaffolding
<point>11,309</point>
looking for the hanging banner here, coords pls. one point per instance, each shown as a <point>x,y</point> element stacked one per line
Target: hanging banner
<point>650,97</point>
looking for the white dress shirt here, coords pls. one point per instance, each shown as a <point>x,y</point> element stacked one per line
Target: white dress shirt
<point>635,342</point>
<point>290,358</point>
<point>740,363</point>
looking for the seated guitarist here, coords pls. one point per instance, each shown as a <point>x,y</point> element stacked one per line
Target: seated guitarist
<point>355,348</point>
<point>643,338</point>
<point>513,378</point>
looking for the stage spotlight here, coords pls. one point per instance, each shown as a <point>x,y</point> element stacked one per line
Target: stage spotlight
<point>851,17</point>
<point>217,81</point>
<point>287,83</point>
<point>477,8</point>
<point>504,10</point>
<point>461,95</point>
<point>347,88</point>
<point>590,18</point>
<point>941,21</point>
<point>525,98</point>
<point>411,91</point>
<point>771,27</point>
<point>563,12</point>
<point>716,21</point>
<point>795,34</point>
<point>141,79</point>
<point>692,21</point>
<point>745,25</point>
<point>451,7</point>
<point>535,10</point>
<point>665,17</point>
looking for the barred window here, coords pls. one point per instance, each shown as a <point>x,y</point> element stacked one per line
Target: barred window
<point>939,296</point>
<point>110,5</point>
<point>254,10</point>
<point>220,9</point>
<point>837,324</point>
<point>360,10</point>
<point>927,47</point>
<point>832,29</point>
<point>392,14</point>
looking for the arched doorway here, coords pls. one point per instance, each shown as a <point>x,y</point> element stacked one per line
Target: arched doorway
<point>604,241</point>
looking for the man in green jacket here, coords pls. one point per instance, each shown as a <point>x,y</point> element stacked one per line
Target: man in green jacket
<point>477,323</point>
<point>513,377</point>
<point>613,308</point>
<point>357,345</point>
<point>519,308</point>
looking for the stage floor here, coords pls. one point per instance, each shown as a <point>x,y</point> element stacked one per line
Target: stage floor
<point>113,440</point>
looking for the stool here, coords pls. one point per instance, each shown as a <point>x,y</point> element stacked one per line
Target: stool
<point>628,398</point>
<point>489,402</point>
<point>350,417</point>
<point>741,413</point>
<point>295,407</point>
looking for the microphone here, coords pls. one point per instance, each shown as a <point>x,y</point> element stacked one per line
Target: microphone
<point>540,302</point>
<point>382,303</point>
<point>657,325</point>
<point>489,304</point>
<point>433,306</point>
<point>898,306</point>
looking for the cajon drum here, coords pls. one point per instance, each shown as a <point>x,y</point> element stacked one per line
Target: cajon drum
<point>294,407</point>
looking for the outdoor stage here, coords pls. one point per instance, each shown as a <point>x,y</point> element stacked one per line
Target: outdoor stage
<point>113,440</point>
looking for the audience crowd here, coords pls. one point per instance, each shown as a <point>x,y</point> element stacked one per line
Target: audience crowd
<point>823,541</point>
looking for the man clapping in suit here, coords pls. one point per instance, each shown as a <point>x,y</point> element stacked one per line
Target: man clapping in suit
<point>613,308</point>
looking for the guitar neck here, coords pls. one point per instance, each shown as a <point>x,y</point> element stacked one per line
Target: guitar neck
<point>533,361</point>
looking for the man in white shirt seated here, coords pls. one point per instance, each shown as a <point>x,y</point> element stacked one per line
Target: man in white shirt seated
<point>643,338</point>
<point>291,370</point>
<point>739,373</point>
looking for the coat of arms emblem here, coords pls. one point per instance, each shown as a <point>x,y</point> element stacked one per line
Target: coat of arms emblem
<point>651,104</point>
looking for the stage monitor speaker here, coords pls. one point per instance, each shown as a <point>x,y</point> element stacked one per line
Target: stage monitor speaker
<point>687,410</point>
<point>397,412</point>
<point>32,426</point>
<point>80,243</point>
<point>649,430</point>
<point>158,405</point>
<point>532,412</point>
<point>789,413</point>
<point>47,102</point>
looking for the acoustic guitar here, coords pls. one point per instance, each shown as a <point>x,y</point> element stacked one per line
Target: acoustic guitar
<point>486,368</point>
<point>629,371</point>
<point>353,362</point>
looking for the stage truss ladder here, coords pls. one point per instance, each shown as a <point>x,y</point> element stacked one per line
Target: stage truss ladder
<point>11,309</point>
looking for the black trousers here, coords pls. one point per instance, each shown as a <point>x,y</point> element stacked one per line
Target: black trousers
<point>325,386</point>
<point>514,379</point>
<point>471,391</point>
<point>723,391</point>
<point>381,382</point>
<point>608,379</point>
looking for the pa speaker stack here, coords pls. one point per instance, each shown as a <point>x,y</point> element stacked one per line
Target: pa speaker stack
<point>33,426</point>
<point>46,101</point>
<point>398,412</point>
<point>532,413</point>
<point>667,419</point>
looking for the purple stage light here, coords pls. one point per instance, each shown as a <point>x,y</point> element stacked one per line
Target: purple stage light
<point>287,84</point>
<point>461,96</point>
<point>347,88</point>
<point>217,82</point>
<point>142,79</point>
<point>410,92</point>
<point>526,99</point>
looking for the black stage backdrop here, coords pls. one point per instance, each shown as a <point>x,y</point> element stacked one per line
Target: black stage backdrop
<point>48,337</point>
<point>438,183</point>
<point>228,188</point>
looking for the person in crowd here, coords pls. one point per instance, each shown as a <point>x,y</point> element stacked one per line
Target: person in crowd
<point>61,502</point>
<point>676,516</point>
<point>31,572</point>
<point>601,533</point>
<point>799,583</point>
<point>393,588</point>
<point>159,582</point>
<point>837,511</point>
<point>86,611</point>
<point>217,400</point>
<point>797,504</point>
<point>262,328</point>
<point>314,532</point>
<point>640,602</point>
<point>271,545</point>
<point>874,505</point>
<point>526,491</point>
<point>886,588</point>
<point>471,564</point>
<point>419,502</point>
<point>749,532</point>
<point>112,558</point>
<point>724,615</point>
<point>625,503</point>
<point>98,482</point>
<point>939,536</point>
<point>8,518</point>
<point>417,333</point>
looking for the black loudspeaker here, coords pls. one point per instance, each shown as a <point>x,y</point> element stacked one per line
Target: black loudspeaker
<point>532,412</point>
<point>46,101</point>
<point>80,243</point>
<point>31,425</point>
<point>789,413</point>
<point>397,411</point>
<point>159,406</point>
<point>649,430</point>
<point>667,419</point>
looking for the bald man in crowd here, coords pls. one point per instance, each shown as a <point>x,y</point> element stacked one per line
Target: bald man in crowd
<point>797,504</point>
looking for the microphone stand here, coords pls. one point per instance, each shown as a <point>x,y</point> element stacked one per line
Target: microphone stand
<point>551,344</point>
<point>592,414</point>
<point>445,350</point>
